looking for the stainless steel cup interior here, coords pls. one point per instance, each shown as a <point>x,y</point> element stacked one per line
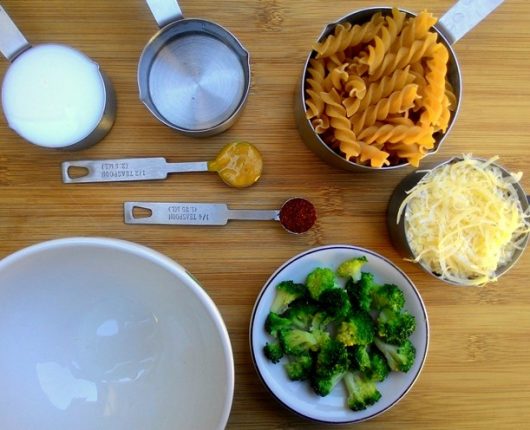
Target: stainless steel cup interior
<point>397,231</point>
<point>193,75</point>
<point>13,45</point>
<point>315,142</point>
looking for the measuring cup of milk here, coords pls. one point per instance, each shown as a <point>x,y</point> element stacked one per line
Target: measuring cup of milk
<point>53,95</point>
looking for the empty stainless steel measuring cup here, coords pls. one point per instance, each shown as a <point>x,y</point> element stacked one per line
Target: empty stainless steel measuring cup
<point>193,75</point>
<point>53,95</point>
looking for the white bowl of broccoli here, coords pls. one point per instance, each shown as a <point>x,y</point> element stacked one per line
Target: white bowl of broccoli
<point>339,334</point>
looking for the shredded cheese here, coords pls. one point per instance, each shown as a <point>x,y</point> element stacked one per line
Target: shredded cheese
<point>464,220</point>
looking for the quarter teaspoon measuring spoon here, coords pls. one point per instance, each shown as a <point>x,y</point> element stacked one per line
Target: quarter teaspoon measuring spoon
<point>296,215</point>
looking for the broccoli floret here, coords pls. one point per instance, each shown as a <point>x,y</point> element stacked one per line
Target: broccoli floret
<point>276,323</point>
<point>299,368</point>
<point>319,280</point>
<point>370,362</point>
<point>369,295</point>
<point>387,296</point>
<point>321,321</point>
<point>273,351</point>
<point>395,327</point>
<point>362,392</point>
<point>331,364</point>
<point>360,357</point>
<point>360,292</point>
<point>352,268</point>
<point>286,293</point>
<point>399,357</point>
<point>301,314</point>
<point>336,303</point>
<point>297,342</point>
<point>379,369</point>
<point>357,329</point>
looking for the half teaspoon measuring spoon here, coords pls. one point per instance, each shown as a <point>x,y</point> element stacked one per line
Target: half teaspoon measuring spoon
<point>239,164</point>
<point>296,215</point>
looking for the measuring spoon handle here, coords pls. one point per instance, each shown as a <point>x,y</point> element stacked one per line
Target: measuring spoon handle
<point>190,213</point>
<point>125,169</point>
<point>12,41</point>
<point>464,16</point>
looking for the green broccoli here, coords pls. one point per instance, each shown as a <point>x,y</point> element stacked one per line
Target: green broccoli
<point>362,392</point>
<point>319,280</point>
<point>286,293</point>
<point>273,351</point>
<point>301,314</point>
<point>360,357</point>
<point>370,295</point>
<point>395,327</point>
<point>352,268</point>
<point>400,358</point>
<point>276,323</point>
<point>298,342</point>
<point>321,321</point>
<point>357,329</point>
<point>369,361</point>
<point>360,292</point>
<point>299,368</point>
<point>336,303</point>
<point>379,369</point>
<point>387,296</point>
<point>331,364</point>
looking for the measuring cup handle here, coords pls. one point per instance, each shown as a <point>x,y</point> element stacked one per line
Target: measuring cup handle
<point>165,11</point>
<point>12,41</point>
<point>464,16</point>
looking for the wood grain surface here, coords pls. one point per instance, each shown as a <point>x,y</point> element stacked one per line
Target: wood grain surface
<point>477,371</point>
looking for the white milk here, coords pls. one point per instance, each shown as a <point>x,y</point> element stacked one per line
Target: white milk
<point>53,95</point>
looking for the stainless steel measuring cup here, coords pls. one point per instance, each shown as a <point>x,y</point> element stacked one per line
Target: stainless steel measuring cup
<point>193,75</point>
<point>397,227</point>
<point>53,95</point>
<point>451,27</point>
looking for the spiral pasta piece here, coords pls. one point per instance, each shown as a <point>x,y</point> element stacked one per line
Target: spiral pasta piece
<point>398,102</point>
<point>389,133</point>
<point>403,56</point>
<point>321,124</point>
<point>314,87</point>
<point>347,36</point>
<point>413,153</point>
<point>337,79</point>
<point>355,87</point>
<point>416,28</point>
<point>341,124</point>
<point>383,41</point>
<point>386,86</point>
<point>433,93</point>
<point>375,156</point>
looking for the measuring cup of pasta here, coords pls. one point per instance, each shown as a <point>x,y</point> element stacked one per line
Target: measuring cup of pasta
<point>381,88</point>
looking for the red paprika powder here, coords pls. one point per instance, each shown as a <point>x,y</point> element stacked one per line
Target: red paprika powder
<point>297,215</point>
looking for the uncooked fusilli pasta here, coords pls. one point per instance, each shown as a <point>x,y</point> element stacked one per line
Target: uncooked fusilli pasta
<point>378,92</point>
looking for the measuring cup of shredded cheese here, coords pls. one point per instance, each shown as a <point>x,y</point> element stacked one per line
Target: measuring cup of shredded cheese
<point>466,221</point>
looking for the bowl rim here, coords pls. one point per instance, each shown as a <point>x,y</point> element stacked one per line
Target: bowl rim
<point>318,249</point>
<point>161,260</point>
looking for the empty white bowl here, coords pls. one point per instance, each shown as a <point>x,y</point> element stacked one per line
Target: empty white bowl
<point>298,396</point>
<point>106,334</point>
